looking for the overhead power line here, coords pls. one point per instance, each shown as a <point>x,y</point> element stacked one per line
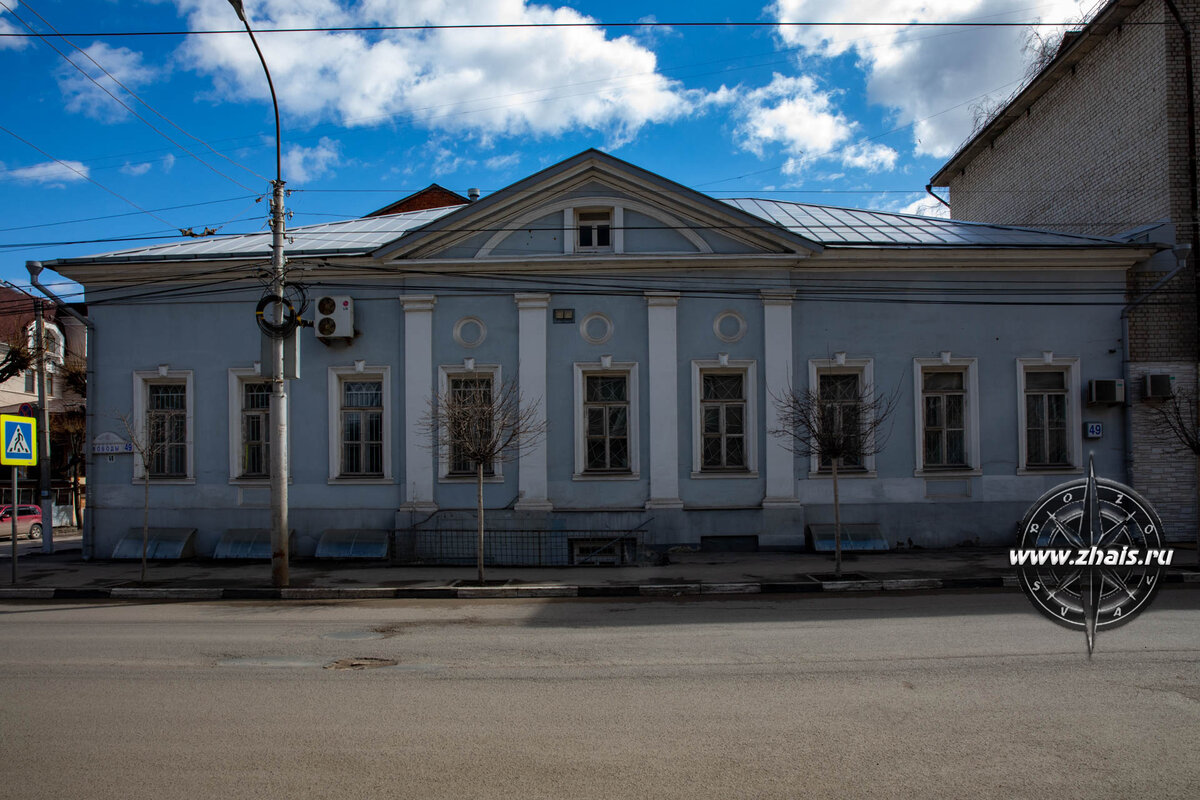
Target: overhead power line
<point>125,105</point>
<point>593,24</point>
<point>90,180</point>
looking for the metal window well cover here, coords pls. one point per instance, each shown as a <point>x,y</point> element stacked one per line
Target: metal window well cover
<point>353,543</point>
<point>161,543</point>
<point>248,543</point>
<point>854,537</point>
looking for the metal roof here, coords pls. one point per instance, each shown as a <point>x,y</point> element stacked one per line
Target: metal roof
<point>833,226</point>
<point>829,225</point>
<point>347,237</point>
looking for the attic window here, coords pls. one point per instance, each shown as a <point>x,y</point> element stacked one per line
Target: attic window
<point>594,226</point>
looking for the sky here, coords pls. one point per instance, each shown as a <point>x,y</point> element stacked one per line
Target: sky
<point>142,136</point>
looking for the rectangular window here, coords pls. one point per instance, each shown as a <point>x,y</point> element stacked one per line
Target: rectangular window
<point>1046,419</point>
<point>594,228</point>
<point>944,420</point>
<point>470,420</point>
<point>840,396</point>
<point>30,381</point>
<point>606,422</point>
<point>361,428</point>
<point>722,421</point>
<point>166,426</point>
<point>256,427</point>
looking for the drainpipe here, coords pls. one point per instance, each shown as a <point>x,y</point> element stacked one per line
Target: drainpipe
<point>1190,80</point>
<point>89,517</point>
<point>929,189</point>
<point>1181,255</point>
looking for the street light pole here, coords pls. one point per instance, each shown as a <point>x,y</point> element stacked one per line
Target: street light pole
<point>278,407</point>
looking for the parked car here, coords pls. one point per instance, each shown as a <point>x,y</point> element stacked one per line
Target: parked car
<point>29,522</point>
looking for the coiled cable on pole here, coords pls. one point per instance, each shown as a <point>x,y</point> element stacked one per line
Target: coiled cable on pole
<point>276,330</point>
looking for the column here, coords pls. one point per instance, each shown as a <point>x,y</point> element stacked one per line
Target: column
<point>418,390</point>
<point>777,375</point>
<point>664,400</point>
<point>531,378</point>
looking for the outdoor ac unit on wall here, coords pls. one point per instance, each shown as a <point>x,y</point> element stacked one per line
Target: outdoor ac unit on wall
<point>1159,387</point>
<point>335,317</point>
<point>1106,392</point>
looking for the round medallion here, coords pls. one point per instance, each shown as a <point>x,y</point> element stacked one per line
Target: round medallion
<point>729,326</point>
<point>470,332</point>
<point>596,328</point>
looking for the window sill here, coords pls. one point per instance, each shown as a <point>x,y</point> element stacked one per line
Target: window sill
<point>1050,470</point>
<point>469,479</point>
<point>708,476</point>
<point>352,481</point>
<point>263,482</point>
<point>606,476</point>
<point>858,473</point>
<point>166,481</point>
<point>964,472</point>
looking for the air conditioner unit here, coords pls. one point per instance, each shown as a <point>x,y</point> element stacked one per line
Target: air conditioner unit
<point>1106,392</point>
<point>335,317</point>
<point>1158,387</point>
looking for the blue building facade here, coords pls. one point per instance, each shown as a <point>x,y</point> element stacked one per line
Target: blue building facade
<point>654,328</point>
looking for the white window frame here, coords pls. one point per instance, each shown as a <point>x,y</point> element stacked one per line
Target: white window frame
<point>142,380</point>
<point>445,372</point>
<point>865,369</point>
<point>237,377</point>
<point>1069,364</point>
<point>970,369</point>
<point>581,371</point>
<point>750,370</point>
<point>336,375</point>
<point>611,247</point>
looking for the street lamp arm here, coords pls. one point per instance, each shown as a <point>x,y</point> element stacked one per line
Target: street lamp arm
<point>237,6</point>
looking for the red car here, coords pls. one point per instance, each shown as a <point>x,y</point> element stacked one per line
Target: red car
<point>29,522</point>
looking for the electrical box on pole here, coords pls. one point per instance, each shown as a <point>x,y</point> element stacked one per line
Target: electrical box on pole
<point>291,355</point>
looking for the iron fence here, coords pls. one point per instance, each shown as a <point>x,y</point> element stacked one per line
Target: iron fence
<point>522,548</point>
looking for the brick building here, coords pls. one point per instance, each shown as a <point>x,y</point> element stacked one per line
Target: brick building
<point>1102,142</point>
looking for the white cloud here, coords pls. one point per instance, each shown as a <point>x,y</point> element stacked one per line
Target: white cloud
<point>869,156</point>
<point>168,162</point>
<point>11,42</point>
<point>503,162</point>
<point>136,169</point>
<point>84,97</point>
<point>49,173</point>
<point>519,81</point>
<point>802,120</point>
<point>921,205</point>
<point>923,72</point>
<point>301,164</point>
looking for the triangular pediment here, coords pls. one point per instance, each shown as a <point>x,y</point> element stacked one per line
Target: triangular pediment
<point>644,215</point>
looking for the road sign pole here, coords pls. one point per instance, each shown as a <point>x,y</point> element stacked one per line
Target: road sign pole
<point>13,514</point>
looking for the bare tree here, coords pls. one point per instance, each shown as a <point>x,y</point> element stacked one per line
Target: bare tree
<point>148,448</point>
<point>18,357</point>
<point>840,422</point>
<point>1178,416</point>
<point>475,424</point>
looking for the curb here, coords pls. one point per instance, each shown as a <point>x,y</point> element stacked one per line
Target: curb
<point>522,591</point>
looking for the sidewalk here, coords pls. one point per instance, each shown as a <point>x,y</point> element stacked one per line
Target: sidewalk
<point>64,574</point>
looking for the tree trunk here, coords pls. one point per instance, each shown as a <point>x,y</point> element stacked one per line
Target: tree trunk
<point>479,499</point>
<point>145,521</point>
<point>837,522</point>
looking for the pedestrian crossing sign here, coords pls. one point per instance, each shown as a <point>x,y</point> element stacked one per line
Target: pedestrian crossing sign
<point>19,435</point>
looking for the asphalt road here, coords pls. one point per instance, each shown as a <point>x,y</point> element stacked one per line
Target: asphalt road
<point>939,695</point>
